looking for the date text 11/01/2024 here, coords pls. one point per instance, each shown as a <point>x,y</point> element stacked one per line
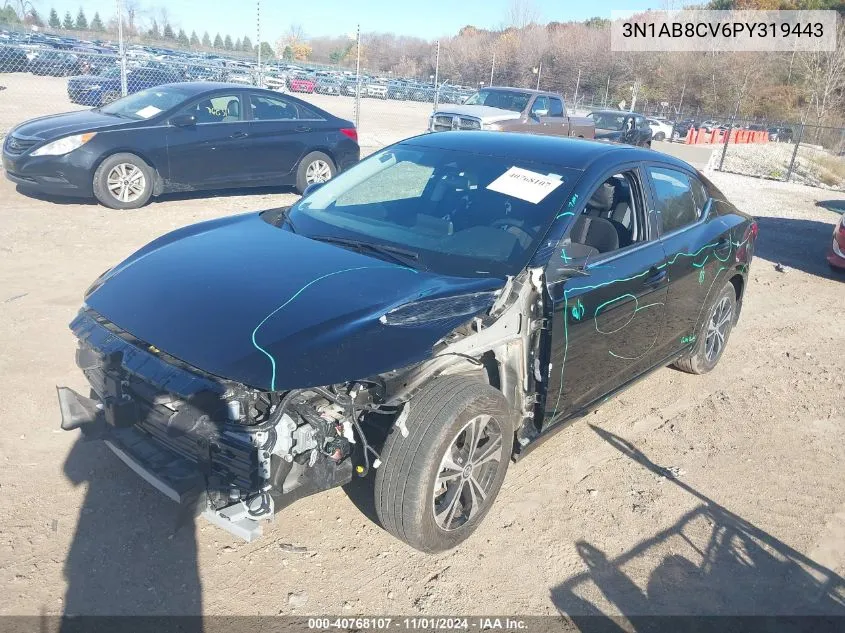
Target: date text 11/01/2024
<point>481,623</point>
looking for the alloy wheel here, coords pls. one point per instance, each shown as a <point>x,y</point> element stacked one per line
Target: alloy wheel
<point>467,472</point>
<point>126,182</point>
<point>318,171</point>
<point>717,329</point>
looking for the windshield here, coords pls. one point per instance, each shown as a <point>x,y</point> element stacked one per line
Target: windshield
<point>504,99</point>
<point>147,103</point>
<point>608,120</point>
<point>111,72</point>
<point>462,214</point>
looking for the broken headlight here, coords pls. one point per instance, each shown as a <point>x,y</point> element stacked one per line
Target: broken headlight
<point>428,310</point>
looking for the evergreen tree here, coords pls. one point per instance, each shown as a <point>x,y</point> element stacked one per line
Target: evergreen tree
<point>97,23</point>
<point>168,31</point>
<point>53,22</point>
<point>195,41</point>
<point>154,32</point>
<point>246,47</point>
<point>227,43</point>
<point>81,20</point>
<point>267,51</point>
<point>67,23</point>
<point>238,45</point>
<point>206,41</point>
<point>218,41</point>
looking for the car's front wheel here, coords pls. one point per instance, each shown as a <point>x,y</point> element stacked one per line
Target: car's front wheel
<point>123,181</point>
<point>314,168</point>
<point>712,338</point>
<point>438,482</point>
<point>660,136</point>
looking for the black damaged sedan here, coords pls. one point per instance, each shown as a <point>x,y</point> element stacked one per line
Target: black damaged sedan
<point>430,314</point>
<point>180,137</point>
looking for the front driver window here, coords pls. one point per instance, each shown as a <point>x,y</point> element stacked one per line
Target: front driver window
<point>612,219</point>
<point>540,107</point>
<point>216,109</point>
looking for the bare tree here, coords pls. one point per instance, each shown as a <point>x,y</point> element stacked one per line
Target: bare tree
<point>522,13</point>
<point>824,77</point>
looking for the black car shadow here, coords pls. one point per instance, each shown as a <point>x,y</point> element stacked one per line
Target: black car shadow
<point>168,197</point>
<point>741,571</point>
<point>798,244</point>
<point>127,557</point>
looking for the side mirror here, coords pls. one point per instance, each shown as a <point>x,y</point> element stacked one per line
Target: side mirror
<point>312,188</point>
<point>184,120</point>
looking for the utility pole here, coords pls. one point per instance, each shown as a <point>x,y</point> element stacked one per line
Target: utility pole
<point>577,85</point>
<point>492,68</point>
<point>606,92</point>
<point>358,78</point>
<point>258,37</point>
<point>124,90</point>
<point>436,75</point>
<point>681,102</point>
<point>539,72</point>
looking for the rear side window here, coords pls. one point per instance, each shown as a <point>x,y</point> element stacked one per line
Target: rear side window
<point>555,107</point>
<point>266,108</point>
<point>673,198</point>
<point>699,194</point>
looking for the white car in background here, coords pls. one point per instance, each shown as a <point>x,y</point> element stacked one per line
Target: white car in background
<point>660,130</point>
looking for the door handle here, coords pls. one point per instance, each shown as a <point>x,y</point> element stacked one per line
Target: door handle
<point>302,128</point>
<point>722,243</point>
<point>655,277</point>
<point>239,135</point>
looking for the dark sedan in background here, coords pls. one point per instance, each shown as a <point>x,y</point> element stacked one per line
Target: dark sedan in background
<point>97,90</point>
<point>180,137</point>
<point>622,127</point>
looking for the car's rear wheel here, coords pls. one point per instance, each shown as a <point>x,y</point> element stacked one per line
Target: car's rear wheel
<point>314,168</point>
<point>123,181</point>
<point>712,337</point>
<point>438,482</point>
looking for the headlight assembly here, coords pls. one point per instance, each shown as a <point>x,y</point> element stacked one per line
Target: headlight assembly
<point>64,145</point>
<point>429,310</point>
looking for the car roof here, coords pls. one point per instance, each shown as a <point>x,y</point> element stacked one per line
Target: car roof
<point>199,87</point>
<point>572,153</point>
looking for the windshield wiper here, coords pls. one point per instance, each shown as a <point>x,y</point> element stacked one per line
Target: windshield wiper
<point>395,253</point>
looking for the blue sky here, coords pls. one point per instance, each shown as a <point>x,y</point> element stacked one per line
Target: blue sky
<point>428,18</point>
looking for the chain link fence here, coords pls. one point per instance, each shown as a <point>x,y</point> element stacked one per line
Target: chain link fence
<point>43,73</point>
<point>807,154</point>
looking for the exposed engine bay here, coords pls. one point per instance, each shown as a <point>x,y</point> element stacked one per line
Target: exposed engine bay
<point>237,455</point>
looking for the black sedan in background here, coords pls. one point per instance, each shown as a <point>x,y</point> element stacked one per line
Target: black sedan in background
<point>180,137</point>
<point>622,127</point>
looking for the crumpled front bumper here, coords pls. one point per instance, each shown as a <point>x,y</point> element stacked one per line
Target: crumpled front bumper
<point>176,477</point>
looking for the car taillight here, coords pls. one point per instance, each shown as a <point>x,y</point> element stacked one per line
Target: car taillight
<point>842,226</point>
<point>754,230</point>
<point>350,132</point>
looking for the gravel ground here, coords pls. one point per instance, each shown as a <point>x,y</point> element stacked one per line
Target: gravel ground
<point>686,494</point>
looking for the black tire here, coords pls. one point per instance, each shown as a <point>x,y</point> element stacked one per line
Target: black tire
<point>405,483</point>
<point>698,361</point>
<point>660,136</point>
<point>105,196</point>
<point>302,170</point>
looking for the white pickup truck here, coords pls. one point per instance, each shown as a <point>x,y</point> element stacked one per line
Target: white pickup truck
<point>512,110</point>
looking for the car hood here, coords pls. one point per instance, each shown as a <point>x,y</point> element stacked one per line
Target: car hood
<point>247,301</point>
<point>485,113</point>
<point>57,125</point>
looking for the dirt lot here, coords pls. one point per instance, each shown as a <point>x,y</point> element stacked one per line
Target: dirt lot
<point>714,494</point>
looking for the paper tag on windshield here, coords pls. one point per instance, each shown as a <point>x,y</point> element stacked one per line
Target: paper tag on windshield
<point>149,111</point>
<point>525,185</point>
